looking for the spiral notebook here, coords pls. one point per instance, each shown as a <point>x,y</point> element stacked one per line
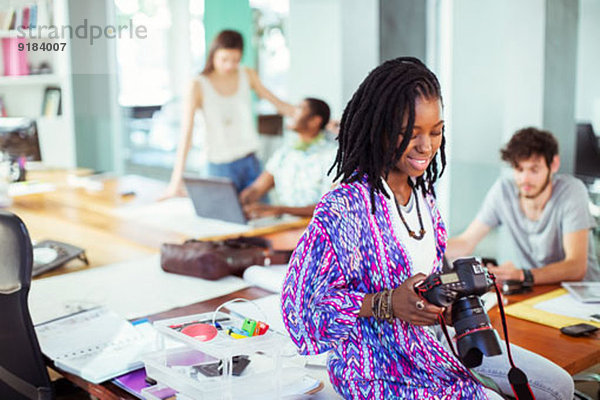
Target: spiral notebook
<point>96,344</point>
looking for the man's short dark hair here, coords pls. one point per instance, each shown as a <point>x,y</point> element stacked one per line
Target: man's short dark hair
<point>529,142</point>
<point>320,108</point>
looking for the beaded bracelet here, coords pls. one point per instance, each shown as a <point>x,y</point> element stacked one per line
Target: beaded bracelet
<point>382,306</point>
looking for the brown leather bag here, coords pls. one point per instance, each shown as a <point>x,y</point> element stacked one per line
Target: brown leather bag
<point>216,259</point>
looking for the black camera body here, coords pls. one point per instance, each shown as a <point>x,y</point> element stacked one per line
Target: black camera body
<point>469,277</point>
<point>461,288</point>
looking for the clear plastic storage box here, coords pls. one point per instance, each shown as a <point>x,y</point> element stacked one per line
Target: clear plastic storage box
<point>257,367</point>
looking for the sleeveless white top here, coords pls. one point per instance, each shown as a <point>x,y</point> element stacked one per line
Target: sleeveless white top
<point>230,132</point>
<point>422,253</point>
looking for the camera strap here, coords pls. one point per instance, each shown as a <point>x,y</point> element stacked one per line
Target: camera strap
<point>516,376</point>
<point>481,379</point>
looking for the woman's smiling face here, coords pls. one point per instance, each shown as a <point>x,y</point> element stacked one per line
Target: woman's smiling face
<point>426,137</point>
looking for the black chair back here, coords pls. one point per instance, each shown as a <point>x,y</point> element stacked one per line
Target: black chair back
<point>587,159</point>
<point>23,374</point>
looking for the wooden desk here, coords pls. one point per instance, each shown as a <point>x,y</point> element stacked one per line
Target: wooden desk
<point>573,354</point>
<point>86,218</point>
<point>83,217</point>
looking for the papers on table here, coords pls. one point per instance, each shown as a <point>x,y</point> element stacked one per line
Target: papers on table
<point>29,187</point>
<point>178,215</point>
<point>96,344</point>
<point>556,309</point>
<point>269,278</point>
<point>131,289</point>
<point>569,306</point>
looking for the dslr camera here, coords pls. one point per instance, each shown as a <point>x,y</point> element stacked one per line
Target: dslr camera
<point>462,288</point>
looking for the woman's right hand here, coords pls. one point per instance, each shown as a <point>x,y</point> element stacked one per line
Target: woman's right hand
<point>405,301</point>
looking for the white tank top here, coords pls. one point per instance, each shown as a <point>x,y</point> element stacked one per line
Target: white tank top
<point>422,253</point>
<point>230,132</point>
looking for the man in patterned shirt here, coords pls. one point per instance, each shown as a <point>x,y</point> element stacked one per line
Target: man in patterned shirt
<point>298,170</point>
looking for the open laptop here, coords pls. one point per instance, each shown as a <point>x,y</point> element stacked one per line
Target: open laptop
<point>217,198</point>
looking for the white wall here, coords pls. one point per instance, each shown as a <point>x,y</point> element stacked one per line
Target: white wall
<point>360,43</point>
<point>333,45</point>
<point>496,77</point>
<point>587,100</point>
<point>497,72</point>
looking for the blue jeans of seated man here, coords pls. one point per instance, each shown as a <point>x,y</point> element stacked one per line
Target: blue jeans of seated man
<point>547,380</point>
<point>242,171</point>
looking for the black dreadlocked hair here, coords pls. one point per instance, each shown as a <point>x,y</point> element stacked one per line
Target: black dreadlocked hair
<point>372,120</point>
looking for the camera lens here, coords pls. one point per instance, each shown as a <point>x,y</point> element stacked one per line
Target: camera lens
<point>475,335</point>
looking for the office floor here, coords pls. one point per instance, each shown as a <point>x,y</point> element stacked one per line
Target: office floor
<point>592,389</point>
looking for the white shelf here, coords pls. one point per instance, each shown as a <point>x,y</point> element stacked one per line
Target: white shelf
<point>24,95</point>
<point>42,79</point>
<point>28,34</point>
<point>9,34</point>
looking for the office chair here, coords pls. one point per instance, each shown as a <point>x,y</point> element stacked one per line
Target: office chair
<point>23,374</point>
<point>587,159</point>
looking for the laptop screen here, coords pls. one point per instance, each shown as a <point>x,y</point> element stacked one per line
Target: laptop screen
<point>215,198</point>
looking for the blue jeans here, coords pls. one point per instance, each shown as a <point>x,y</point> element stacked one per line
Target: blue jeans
<point>547,380</point>
<point>242,172</point>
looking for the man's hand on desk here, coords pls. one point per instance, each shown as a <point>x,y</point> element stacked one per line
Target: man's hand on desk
<point>249,196</point>
<point>506,272</point>
<point>260,210</point>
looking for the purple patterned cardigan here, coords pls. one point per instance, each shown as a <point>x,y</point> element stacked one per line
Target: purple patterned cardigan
<point>346,252</point>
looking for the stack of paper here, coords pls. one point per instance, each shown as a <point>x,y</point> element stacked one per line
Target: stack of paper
<point>142,288</point>
<point>96,344</point>
<point>268,278</point>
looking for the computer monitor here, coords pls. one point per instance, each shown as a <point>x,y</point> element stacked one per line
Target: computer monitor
<point>587,158</point>
<point>19,138</point>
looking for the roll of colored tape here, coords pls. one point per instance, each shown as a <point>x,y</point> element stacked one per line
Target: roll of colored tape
<point>201,332</point>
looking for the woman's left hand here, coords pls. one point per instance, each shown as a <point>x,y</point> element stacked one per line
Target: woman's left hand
<point>407,304</point>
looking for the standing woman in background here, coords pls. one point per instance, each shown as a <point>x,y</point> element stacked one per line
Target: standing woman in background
<point>222,92</point>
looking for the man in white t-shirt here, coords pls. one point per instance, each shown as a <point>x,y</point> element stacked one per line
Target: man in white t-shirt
<point>298,170</point>
<point>546,214</point>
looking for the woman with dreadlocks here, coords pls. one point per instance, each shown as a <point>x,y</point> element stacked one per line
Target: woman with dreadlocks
<point>349,286</point>
<point>350,283</point>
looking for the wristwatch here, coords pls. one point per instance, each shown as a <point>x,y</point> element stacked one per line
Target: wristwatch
<point>527,278</point>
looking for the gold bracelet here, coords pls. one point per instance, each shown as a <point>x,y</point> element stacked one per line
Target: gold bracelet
<point>382,306</point>
<point>375,305</point>
<point>391,305</point>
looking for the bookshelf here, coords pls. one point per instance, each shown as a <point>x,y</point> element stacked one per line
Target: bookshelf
<point>25,95</point>
<point>42,79</point>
